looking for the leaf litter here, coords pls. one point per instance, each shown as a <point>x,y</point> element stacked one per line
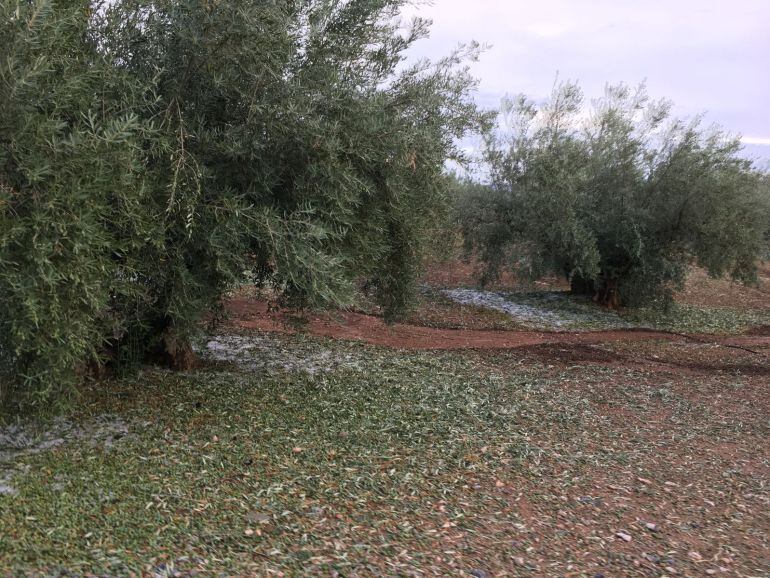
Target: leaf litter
<point>298,455</point>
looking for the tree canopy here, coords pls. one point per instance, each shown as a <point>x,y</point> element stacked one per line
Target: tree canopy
<point>619,196</point>
<point>151,152</point>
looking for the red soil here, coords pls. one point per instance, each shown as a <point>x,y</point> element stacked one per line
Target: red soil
<point>249,313</point>
<point>703,291</point>
<point>460,273</point>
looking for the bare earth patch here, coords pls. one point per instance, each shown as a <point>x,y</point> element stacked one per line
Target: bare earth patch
<point>251,314</point>
<point>701,290</point>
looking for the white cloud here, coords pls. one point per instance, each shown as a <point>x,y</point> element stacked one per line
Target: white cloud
<point>705,55</point>
<point>546,29</point>
<point>755,140</point>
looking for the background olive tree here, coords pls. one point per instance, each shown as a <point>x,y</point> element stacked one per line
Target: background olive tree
<point>151,151</point>
<point>618,196</point>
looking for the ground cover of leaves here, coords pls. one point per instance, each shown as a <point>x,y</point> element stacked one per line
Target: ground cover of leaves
<point>560,311</point>
<point>451,298</point>
<point>613,460</point>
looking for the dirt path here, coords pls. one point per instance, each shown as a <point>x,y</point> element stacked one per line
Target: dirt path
<point>253,314</point>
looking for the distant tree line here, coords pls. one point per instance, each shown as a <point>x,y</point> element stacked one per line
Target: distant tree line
<point>152,151</point>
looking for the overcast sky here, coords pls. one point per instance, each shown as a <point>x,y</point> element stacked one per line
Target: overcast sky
<point>709,56</point>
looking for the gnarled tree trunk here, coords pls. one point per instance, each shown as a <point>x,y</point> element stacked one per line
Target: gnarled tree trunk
<point>607,294</point>
<point>177,353</point>
<point>581,286</point>
<point>603,291</point>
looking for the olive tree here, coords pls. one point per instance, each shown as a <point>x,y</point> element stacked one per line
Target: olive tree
<point>618,196</point>
<point>151,151</point>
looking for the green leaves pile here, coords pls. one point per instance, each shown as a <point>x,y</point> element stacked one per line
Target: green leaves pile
<point>153,151</point>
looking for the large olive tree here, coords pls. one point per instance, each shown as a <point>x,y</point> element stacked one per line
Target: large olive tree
<point>154,150</point>
<point>617,196</point>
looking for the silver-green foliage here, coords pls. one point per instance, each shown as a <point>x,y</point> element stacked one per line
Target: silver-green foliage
<point>618,196</point>
<point>153,150</point>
